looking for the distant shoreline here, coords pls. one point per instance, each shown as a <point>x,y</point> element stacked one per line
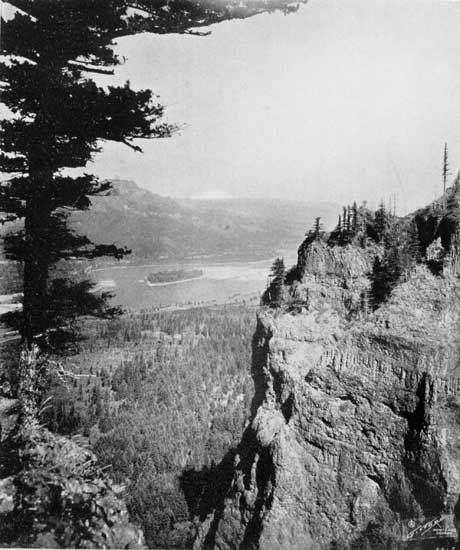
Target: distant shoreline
<point>191,264</point>
<point>194,263</point>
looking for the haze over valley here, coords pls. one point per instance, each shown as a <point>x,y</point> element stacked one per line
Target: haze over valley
<point>162,229</point>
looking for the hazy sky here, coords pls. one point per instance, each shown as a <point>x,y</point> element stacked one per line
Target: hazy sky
<point>345,99</point>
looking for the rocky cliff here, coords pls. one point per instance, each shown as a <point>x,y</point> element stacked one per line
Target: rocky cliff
<point>356,415</point>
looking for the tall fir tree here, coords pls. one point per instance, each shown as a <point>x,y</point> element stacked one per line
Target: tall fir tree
<point>454,253</point>
<point>318,228</point>
<point>278,274</point>
<point>57,119</point>
<point>445,167</point>
<point>412,244</point>
<point>335,237</point>
<point>349,220</point>
<point>381,222</point>
<point>60,116</point>
<point>355,215</point>
<point>457,182</point>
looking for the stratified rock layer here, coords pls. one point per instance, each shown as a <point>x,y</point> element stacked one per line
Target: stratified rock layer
<point>353,420</point>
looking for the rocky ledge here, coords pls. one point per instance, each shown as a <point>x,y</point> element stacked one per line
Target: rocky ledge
<point>356,419</point>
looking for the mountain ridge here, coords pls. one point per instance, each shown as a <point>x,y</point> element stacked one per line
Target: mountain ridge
<point>162,228</point>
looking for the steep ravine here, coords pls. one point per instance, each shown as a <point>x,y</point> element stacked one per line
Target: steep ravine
<point>355,420</point>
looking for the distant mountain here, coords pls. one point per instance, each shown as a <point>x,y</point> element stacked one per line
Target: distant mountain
<point>160,228</point>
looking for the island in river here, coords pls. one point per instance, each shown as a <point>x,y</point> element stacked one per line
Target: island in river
<point>161,277</point>
<point>221,283</point>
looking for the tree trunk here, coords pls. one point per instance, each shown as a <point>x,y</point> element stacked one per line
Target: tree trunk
<point>28,392</point>
<point>37,263</point>
<point>37,225</point>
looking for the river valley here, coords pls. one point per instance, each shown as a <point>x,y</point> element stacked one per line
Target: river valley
<point>220,283</point>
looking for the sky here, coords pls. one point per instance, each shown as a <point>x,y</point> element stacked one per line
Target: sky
<point>344,100</point>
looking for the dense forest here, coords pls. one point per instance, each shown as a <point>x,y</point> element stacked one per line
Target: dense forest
<point>161,398</point>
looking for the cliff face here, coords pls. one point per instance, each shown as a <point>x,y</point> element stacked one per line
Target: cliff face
<point>355,418</point>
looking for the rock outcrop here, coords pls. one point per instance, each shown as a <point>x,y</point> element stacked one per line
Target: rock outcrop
<point>356,418</point>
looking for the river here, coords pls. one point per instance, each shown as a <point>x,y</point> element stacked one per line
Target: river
<point>220,283</point>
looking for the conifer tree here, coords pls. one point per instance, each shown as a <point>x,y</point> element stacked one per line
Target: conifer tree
<point>335,237</point>
<point>318,228</point>
<point>445,167</point>
<point>278,273</point>
<point>457,182</point>
<point>343,230</point>
<point>385,274</point>
<point>354,224</point>
<point>452,201</point>
<point>381,221</point>
<point>454,253</point>
<point>60,116</point>
<point>412,242</point>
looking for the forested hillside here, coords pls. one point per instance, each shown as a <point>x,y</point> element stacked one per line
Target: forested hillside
<point>161,398</point>
<point>159,228</point>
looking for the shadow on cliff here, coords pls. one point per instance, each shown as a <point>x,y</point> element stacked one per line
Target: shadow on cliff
<point>206,490</point>
<point>421,463</point>
<point>260,350</point>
